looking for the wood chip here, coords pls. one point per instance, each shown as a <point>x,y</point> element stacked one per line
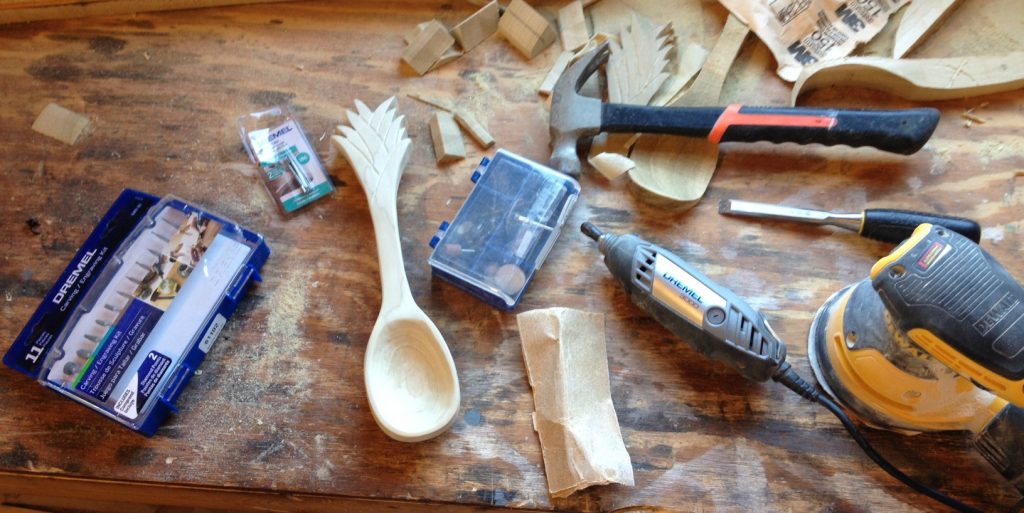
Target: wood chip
<point>918,79</point>
<point>611,165</point>
<point>572,26</point>
<point>448,146</point>
<point>471,31</point>
<point>61,124</point>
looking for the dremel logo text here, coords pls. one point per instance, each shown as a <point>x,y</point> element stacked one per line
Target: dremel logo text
<point>682,288</point>
<point>73,277</point>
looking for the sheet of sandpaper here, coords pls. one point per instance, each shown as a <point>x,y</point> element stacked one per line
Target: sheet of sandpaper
<point>567,365</point>
<point>802,32</point>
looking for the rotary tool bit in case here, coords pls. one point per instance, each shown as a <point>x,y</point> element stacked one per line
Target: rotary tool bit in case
<point>128,322</point>
<point>504,230</point>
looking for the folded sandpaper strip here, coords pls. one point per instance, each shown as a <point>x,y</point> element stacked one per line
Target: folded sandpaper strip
<point>567,365</point>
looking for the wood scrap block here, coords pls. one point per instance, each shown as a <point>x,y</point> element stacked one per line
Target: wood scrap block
<point>428,47</point>
<point>61,124</point>
<point>474,128</point>
<point>572,26</point>
<point>526,29</point>
<point>479,26</point>
<point>411,35</point>
<point>557,69</point>
<point>448,145</point>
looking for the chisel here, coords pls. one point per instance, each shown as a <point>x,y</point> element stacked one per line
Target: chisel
<point>886,225</point>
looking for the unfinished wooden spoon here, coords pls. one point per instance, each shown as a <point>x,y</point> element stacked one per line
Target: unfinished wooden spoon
<point>410,377</point>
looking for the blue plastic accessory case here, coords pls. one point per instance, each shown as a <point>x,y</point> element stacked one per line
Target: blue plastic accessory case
<point>129,321</point>
<point>504,230</point>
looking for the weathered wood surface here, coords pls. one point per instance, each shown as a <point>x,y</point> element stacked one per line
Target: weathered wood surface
<point>280,405</point>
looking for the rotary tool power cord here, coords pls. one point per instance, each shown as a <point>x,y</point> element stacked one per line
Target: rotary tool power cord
<point>788,377</point>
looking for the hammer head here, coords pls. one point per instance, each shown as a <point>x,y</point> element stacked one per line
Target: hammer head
<point>574,116</point>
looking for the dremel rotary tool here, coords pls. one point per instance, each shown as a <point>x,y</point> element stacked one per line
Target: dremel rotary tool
<point>720,325</point>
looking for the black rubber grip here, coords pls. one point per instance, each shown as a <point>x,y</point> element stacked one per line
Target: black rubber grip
<point>897,131</point>
<point>895,226</point>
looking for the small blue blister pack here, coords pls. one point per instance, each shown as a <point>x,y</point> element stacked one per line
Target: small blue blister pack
<point>504,230</point>
<point>129,321</point>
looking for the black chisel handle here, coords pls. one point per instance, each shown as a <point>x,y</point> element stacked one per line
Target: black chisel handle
<point>898,131</point>
<point>895,226</point>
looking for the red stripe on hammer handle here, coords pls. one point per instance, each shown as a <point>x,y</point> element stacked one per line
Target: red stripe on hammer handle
<point>732,116</point>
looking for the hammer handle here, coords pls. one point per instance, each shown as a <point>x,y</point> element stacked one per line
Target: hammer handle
<point>897,131</point>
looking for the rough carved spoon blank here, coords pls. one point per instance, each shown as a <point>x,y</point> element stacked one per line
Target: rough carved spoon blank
<point>411,381</point>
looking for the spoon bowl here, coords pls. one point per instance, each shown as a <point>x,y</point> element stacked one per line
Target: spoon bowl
<point>410,377</point>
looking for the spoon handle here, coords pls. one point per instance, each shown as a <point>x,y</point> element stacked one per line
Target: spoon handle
<point>393,282</point>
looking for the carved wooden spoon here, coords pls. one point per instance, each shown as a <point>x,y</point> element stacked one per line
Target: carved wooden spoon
<point>410,376</point>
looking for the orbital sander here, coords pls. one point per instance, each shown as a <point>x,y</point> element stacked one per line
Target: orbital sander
<point>932,341</point>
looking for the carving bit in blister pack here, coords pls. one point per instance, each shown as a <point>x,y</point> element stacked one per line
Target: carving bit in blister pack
<point>130,319</point>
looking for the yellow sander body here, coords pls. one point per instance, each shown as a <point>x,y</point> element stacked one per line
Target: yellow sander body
<point>904,352</point>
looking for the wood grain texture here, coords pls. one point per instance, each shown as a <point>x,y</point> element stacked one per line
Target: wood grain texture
<point>279,420</point>
<point>15,11</point>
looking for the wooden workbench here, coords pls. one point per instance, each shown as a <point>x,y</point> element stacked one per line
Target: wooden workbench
<point>278,418</point>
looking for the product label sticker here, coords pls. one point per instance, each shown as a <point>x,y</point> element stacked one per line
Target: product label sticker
<point>212,333</point>
<point>142,385</point>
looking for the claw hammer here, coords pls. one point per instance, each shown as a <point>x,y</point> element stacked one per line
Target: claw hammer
<point>574,117</point>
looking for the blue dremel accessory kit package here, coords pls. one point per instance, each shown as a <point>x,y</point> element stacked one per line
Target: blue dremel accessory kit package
<point>129,321</point>
<point>505,229</point>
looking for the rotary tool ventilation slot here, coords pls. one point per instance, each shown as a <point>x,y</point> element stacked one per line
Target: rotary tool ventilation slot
<point>644,265</point>
<point>750,336</point>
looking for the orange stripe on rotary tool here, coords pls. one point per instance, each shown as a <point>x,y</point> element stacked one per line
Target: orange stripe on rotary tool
<point>732,116</point>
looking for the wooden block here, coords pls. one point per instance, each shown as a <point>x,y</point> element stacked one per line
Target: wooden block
<point>557,69</point>
<point>475,130</point>
<point>448,145</point>
<point>526,29</point>
<point>61,124</point>
<point>479,26</point>
<point>428,47</point>
<point>411,35</point>
<point>572,26</point>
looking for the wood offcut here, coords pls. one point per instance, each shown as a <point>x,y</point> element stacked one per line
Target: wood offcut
<point>526,29</point>
<point>447,139</point>
<point>471,31</point>
<point>61,124</point>
<point>572,26</point>
<point>428,47</point>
